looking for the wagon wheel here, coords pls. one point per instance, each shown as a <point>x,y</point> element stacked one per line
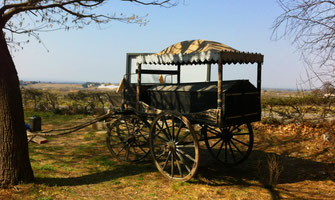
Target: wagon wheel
<point>127,138</point>
<point>174,146</point>
<point>229,145</point>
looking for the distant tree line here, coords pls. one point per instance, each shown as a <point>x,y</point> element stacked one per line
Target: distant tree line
<point>80,102</point>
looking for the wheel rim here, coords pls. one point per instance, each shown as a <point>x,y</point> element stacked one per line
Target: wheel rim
<point>127,138</point>
<point>174,146</point>
<point>229,145</point>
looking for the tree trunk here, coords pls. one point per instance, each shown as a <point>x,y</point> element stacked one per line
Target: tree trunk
<point>14,157</point>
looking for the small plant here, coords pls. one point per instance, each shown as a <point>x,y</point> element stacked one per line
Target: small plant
<point>269,177</point>
<point>274,168</point>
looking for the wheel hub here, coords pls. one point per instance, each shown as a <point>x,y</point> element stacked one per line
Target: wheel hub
<point>131,140</point>
<point>227,136</point>
<point>171,146</point>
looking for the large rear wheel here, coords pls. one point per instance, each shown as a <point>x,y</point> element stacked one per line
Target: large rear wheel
<point>229,145</point>
<point>174,146</point>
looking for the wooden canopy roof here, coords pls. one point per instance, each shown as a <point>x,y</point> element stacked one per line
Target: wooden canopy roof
<point>199,52</point>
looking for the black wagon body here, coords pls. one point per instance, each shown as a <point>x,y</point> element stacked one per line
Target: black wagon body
<point>169,120</point>
<point>240,99</point>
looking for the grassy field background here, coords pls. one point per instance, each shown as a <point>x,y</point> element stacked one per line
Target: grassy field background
<point>292,158</point>
<point>79,166</point>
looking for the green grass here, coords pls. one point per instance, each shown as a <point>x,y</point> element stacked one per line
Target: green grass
<point>47,167</point>
<point>103,161</point>
<point>52,118</point>
<point>89,135</point>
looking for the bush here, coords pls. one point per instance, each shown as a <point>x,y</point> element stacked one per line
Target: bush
<point>80,102</point>
<point>301,109</point>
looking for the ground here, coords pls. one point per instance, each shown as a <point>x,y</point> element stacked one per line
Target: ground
<point>79,166</point>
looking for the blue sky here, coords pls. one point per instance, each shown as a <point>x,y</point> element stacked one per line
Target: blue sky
<point>99,54</point>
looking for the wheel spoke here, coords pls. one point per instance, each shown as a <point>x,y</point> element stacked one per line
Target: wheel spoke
<point>173,136</point>
<point>179,168</point>
<point>185,145</point>
<point>186,155</point>
<point>114,145</point>
<point>139,146</point>
<point>225,152</point>
<point>216,143</point>
<point>121,149</point>
<point>239,141</point>
<point>127,153</point>
<point>167,160</point>
<point>127,127</point>
<point>162,154</point>
<point>234,128</point>
<point>114,136</point>
<point>141,134</point>
<point>182,159</point>
<point>178,132</point>
<point>167,126</point>
<point>237,148</point>
<point>163,131</point>
<point>172,164</point>
<point>217,155</point>
<point>136,155</point>
<point>231,150</point>
<point>162,138</point>
<point>214,137</point>
<point>215,131</point>
<point>184,137</point>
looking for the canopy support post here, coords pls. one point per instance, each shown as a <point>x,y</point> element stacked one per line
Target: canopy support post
<point>138,88</point>
<point>178,75</point>
<point>259,88</point>
<point>220,113</point>
<point>208,78</point>
<point>259,77</point>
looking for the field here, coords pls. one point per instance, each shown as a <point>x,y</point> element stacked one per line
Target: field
<point>79,166</point>
<point>290,160</point>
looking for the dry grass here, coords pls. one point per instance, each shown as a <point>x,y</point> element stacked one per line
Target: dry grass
<point>79,166</point>
<point>55,86</point>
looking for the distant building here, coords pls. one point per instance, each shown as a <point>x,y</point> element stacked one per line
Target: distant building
<point>90,84</point>
<point>328,95</point>
<point>103,86</point>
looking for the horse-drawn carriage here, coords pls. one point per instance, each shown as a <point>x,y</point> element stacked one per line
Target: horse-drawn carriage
<point>169,119</point>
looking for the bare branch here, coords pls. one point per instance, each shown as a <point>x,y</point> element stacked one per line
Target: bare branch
<point>31,16</point>
<point>164,3</point>
<point>311,26</point>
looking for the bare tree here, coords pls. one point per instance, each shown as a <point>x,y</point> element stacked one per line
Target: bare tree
<point>311,26</point>
<point>30,17</point>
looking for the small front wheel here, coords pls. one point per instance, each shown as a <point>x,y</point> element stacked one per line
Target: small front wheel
<point>127,138</point>
<point>174,146</point>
